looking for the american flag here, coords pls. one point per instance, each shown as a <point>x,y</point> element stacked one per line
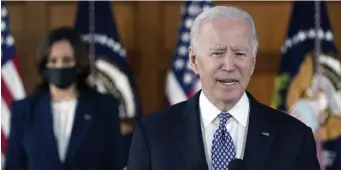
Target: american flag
<point>11,84</point>
<point>181,82</point>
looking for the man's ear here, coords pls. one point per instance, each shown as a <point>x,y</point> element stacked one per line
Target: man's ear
<point>253,64</point>
<point>193,59</point>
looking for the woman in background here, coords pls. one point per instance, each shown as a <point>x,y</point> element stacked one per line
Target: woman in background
<point>65,124</point>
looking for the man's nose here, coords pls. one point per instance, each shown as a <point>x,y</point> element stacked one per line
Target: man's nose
<point>229,63</point>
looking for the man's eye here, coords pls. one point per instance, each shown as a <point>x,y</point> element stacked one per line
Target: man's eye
<point>217,54</point>
<point>240,54</point>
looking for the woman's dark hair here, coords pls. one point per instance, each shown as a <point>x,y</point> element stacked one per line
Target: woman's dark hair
<point>80,53</point>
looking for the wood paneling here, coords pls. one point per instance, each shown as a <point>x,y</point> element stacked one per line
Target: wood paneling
<point>149,14</point>
<point>148,31</point>
<point>61,14</point>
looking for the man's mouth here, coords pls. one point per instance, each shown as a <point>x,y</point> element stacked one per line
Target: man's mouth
<point>228,82</point>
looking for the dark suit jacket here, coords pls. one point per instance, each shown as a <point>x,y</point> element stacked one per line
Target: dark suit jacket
<point>95,142</point>
<point>172,139</point>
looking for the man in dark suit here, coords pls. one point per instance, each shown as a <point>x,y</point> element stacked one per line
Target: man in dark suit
<point>222,122</point>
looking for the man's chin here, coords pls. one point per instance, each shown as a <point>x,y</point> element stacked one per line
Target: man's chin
<point>230,95</point>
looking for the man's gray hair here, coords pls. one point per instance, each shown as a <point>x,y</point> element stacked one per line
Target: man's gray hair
<point>223,12</point>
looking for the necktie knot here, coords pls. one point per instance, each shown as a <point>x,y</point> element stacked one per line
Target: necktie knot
<point>223,118</point>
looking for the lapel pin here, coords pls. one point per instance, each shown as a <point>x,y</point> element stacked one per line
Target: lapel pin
<point>87,117</point>
<point>265,133</point>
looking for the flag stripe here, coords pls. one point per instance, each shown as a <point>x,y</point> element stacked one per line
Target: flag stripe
<point>3,143</point>
<point>15,65</point>
<point>5,93</point>
<point>5,117</point>
<point>11,77</point>
<point>174,91</point>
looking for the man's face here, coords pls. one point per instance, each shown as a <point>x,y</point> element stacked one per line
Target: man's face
<point>224,58</point>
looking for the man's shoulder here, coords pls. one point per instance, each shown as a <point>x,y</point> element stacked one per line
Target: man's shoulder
<point>164,116</point>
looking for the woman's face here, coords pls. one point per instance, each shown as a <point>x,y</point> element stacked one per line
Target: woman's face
<point>61,69</point>
<point>61,55</point>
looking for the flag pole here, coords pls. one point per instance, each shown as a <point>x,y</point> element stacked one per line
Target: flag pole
<point>317,70</point>
<point>317,45</point>
<point>92,34</point>
<point>317,39</point>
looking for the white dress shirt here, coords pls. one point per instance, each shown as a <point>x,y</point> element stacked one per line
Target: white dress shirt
<point>236,125</point>
<point>63,116</point>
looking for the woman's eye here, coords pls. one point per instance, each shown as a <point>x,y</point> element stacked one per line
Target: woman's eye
<point>52,61</point>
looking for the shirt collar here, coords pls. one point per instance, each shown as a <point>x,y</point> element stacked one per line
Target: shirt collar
<point>209,112</point>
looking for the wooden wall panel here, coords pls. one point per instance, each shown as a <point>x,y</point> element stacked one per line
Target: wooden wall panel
<point>16,25</point>
<point>149,44</point>
<point>61,14</point>
<point>335,14</point>
<point>172,23</point>
<point>261,86</point>
<point>148,31</point>
<point>125,15</point>
<point>16,18</point>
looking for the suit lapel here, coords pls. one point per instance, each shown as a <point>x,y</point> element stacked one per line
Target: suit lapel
<point>45,126</point>
<point>260,136</point>
<point>82,122</point>
<point>189,136</point>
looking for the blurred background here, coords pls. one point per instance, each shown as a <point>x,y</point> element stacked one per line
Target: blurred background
<point>151,37</point>
<point>149,33</point>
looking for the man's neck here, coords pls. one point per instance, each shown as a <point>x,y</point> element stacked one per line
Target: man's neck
<point>223,106</point>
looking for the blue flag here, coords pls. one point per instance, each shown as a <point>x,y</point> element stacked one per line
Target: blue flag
<point>314,98</point>
<point>112,72</point>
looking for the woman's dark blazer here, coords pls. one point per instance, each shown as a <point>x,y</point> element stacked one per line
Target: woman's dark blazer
<point>95,142</point>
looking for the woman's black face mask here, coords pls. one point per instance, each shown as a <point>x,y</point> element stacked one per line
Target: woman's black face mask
<point>61,77</point>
